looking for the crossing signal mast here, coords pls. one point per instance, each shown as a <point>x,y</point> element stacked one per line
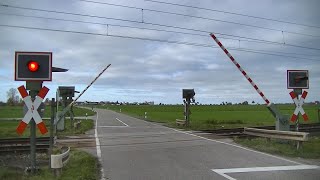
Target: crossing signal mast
<point>34,68</point>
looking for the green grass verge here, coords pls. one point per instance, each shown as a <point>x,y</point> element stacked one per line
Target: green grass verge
<point>310,149</point>
<point>17,112</point>
<point>68,131</point>
<point>213,117</point>
<point>82,166</point>
<point>8,129</point>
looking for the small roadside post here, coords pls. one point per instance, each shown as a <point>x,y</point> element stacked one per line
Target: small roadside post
<point>319,113</point>
<point>298,80</point>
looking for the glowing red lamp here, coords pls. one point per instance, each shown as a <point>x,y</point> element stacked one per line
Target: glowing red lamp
<point>33,66</point>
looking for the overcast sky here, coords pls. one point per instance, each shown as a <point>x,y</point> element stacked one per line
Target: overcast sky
<point>158,71</point>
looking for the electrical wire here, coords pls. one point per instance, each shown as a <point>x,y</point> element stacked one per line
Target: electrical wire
<point>198,17</point>
<point>233,13</point>
<point>149,39</point>
<point>151,29</point>
<point>156,24</point>
<point>68,13</point>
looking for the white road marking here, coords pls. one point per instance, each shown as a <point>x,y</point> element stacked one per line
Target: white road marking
<point>125,125</point>
<point>122,122</point>
<point>223,172</point>
<point>113,126</point>
<point>98,147</point>
<point>226,176</point>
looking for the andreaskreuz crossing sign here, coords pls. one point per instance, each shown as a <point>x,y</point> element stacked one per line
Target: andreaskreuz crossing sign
<point>32,110</point>
<point>298,104</point>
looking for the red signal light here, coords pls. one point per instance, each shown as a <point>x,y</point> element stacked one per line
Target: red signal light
<point>33,66</point>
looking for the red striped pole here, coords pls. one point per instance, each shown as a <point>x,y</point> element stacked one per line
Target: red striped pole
<point>240,69</point>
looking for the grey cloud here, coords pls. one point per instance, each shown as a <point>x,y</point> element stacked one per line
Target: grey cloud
<point>158,71</point>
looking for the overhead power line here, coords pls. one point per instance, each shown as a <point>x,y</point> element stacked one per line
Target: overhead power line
<point>151,29</point>
<point>68,13</point>
<point>156,24</point>
<point>199,17</point>
<point>148,39</point>
<point>233,13</point>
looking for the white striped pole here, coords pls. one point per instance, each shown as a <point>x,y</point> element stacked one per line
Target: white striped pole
<point>90,84</point>
<point>240,69</point>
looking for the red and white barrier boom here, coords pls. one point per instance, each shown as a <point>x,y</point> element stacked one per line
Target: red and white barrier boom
<point>282,120</point>
<point>32,110</point>
<point>240,69</point>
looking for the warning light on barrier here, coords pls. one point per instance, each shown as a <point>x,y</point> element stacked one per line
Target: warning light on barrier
<point>33,66</point>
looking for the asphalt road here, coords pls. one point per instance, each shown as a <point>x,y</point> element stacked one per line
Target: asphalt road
<point>135,149</point>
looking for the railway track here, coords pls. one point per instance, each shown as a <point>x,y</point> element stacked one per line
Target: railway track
<point>22,145</point>
<point>310,128</point>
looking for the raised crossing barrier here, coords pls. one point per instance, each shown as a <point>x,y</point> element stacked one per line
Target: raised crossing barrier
<point>286,135</point>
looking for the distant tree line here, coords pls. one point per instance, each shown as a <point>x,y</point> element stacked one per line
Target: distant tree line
<point>13,98</point>
<point>241,103</point>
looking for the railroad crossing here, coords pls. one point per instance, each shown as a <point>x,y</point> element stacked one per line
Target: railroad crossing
<point>130,148</point>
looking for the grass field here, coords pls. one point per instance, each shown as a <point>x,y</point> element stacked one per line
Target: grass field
<point>310,149</point>
<point>17,112</point>
<point>82,166</point>
<point>213,117</point>
<point>85,126</point>
<point>8,129</point>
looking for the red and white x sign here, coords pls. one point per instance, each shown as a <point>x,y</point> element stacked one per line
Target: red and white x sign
<point>299,104</point>
<point>32,110</point>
